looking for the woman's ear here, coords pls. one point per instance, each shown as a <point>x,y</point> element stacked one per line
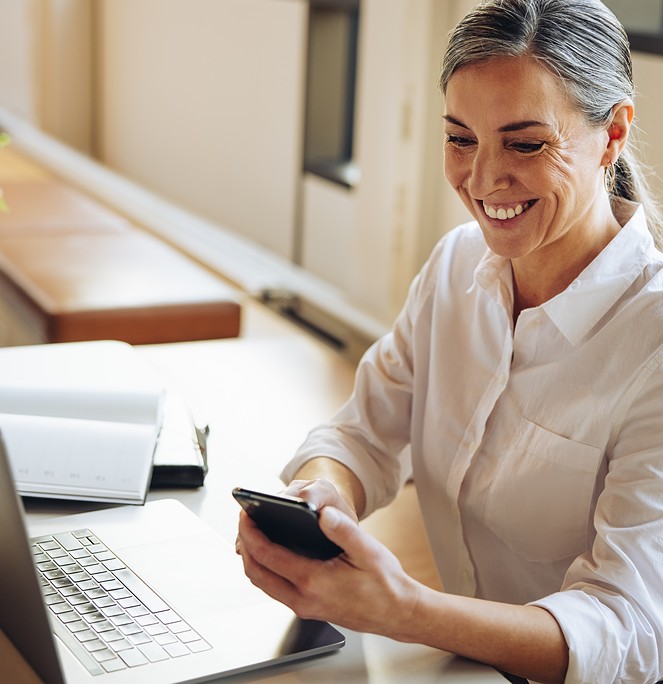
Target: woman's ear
<point>618,129</point>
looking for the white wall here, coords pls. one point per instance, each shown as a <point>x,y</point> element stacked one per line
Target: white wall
<point>648,76</point>
<point>45,65</point>
<point>67,70</point>
<point>20,55</point>
<point>203,102</point>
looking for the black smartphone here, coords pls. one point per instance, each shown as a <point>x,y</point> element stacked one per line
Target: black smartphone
<point>289,521</point>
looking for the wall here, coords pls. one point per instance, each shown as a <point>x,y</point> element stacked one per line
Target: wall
<point>648,76</point>
<point>46,65</point>
<point>202,102</point>
<point>20,77</point>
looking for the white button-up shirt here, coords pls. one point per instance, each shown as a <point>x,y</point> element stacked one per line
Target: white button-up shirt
<point>537,452</point>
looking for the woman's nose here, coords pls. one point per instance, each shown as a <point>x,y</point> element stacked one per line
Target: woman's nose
<point>488,174</point>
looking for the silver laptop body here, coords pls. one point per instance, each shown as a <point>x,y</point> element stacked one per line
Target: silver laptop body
<point>186,564</point>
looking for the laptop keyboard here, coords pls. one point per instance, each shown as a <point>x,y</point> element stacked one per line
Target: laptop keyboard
<point>105,614</point>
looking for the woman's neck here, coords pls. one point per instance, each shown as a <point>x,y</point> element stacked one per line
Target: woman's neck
<point>540,276</point>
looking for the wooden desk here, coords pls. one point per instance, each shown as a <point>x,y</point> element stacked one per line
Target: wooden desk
<point>14,668</point>
<point>260,396</point>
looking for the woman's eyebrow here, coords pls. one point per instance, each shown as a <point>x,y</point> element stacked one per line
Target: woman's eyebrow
<point>455,122</point>
<point>507,128</point>
<point>521,125</point>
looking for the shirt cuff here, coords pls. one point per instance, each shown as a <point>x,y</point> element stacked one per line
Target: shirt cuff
<point>605,642</point>
<point>365,470</point>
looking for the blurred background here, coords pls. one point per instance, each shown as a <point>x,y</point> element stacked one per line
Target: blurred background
<point>303,136</point>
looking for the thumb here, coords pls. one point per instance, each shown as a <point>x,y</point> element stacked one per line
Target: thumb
<point>345,532</point>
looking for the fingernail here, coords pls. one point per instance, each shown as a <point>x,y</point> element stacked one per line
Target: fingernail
<point>332,515</point>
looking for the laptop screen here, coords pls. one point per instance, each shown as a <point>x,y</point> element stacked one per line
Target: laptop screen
<point>22,612</point>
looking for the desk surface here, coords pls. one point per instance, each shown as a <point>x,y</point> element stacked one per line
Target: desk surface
<point>260,396</point>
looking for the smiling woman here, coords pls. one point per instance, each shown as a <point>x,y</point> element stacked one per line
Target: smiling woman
<point>593,86</point>
<point>524,373</point>
<point>530,169</point>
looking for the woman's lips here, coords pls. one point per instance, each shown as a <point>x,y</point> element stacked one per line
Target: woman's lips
<point>503,212</point>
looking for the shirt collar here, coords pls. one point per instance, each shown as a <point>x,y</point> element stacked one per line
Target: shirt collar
<point>493,274</point>
<point>588,298</point>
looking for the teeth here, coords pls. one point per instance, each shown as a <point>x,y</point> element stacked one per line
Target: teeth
<point>502,214</point>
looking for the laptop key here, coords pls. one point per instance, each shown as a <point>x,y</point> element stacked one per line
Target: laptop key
<point>86,635</point>
<point>169,616</point>
<point>141,591</point>
<point>47,565</point>
<point>105,654</point>
<point>76,648</point>
<point>153,652</point>
<point>167,638</point>
<point>138,611</point>
<point>71,616</point>
<point>198,646</point>
<point>82,533</point>
<point>68,541</point>
<point>113,665</point>
<point>133,657</point>
<point>131,628</point>
<point>58,608</point>
<point>120,645</point>
<point>176,649</point>
<point>80,553</point>
<point>140,638</point>
<point>156,629</point>
<point>76,625</point>
<point>147,619</point>
<point>53,598</point>
<point>94,645</point>
<point>49,545</point>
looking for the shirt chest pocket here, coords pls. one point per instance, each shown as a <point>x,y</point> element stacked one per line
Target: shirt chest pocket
<point>540,498</point>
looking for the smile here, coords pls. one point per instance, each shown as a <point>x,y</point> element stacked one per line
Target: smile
<point>503,213</point>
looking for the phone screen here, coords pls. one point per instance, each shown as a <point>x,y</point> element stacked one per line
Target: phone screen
<point>288,521</point>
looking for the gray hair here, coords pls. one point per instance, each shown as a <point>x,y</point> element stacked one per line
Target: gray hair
<point>583,44</point>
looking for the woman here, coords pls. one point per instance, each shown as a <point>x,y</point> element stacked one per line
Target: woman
<point>526,374</point>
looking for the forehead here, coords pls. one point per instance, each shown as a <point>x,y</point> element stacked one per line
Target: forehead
<point>506,89</point>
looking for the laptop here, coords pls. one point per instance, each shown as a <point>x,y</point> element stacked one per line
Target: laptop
<point>151,593</point>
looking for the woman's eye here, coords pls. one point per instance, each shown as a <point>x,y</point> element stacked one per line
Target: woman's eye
<point>527,148</point>
<point>459,141</point>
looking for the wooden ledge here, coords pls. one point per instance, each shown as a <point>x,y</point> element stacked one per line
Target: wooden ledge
<point>50,206</point>
<point>127,285</point>
<point>72,269</point>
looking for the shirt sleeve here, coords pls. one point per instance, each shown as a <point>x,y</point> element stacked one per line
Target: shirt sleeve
<point>610,607</point>
<point>370,434</point>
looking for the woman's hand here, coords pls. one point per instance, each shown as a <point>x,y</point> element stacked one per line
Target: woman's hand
<point>321,493</point>
<point>364,589</point>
